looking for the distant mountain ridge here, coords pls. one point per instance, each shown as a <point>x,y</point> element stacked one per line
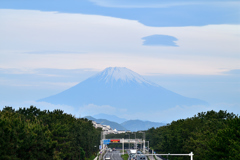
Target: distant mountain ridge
<point>121,88</point>
<point>110,118</point>
<point>138,125</point>
<point>113,125</point>
<point>132,125</point>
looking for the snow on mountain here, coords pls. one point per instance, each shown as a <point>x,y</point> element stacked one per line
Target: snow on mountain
<point>123,89</point>
<point>121,73</point>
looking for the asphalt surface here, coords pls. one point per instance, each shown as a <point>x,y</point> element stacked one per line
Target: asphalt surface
<point>114,155</point>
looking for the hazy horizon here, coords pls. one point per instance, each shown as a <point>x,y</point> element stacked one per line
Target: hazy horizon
<point>188,47</point>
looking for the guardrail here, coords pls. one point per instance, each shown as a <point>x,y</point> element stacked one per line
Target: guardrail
<point>190,154</point>
<point>100,154</point>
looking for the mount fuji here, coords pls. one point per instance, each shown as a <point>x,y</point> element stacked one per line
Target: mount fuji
<point>121,88</point>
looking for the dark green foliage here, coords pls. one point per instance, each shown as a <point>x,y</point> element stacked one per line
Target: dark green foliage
<point>124,157</point>
<point>22,139</point>
<point>30,133</point>
<point>209,135</point>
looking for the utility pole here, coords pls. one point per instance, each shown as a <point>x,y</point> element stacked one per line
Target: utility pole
<point>148,145</point>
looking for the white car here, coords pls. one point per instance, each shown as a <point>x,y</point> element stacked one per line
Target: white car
<point>108,157</point>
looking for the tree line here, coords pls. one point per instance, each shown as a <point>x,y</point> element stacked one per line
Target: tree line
<point>209,135</point>
<point>29,133</point>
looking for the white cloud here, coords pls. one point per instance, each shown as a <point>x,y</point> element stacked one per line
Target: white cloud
<point>36,84</point>
<point>157,4</point>
<point>92,109</point>
<point>181,112</point>
<point>167,116</point>
<point>30,39</point>
<point>105,41</point>
<point>40,105</point>
<point>141,64</point>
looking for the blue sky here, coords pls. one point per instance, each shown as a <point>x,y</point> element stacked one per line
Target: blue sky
<point>190,47</point>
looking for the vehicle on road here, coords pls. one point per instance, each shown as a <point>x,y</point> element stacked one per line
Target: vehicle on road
<point>141,157</point>
<point>114,149</point>
<point>133,151</point>
<point>108,157</point>
<point>133,156</point>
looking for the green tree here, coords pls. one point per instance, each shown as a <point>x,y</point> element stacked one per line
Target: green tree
<point>225,144</point>
<point>29,133</point>
<point>22,139</point>
<point>210,135</point>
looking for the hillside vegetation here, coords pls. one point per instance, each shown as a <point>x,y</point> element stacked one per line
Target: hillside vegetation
<point>209,135</point>
<point>29,133</point>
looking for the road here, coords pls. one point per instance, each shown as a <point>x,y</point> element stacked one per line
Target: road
<point>114,155</point>
<point>152,158</point>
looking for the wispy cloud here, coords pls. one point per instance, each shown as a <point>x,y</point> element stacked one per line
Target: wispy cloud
<point>43,77</point>
<point>92,109</point>
<point>181,112</point>
<point>159,4</point>
<point>202,50</point>
<point>54,52</point>
<point>41,105</point>
<point>48,72</point>
<point>167,116</point>
<point>233,72</point>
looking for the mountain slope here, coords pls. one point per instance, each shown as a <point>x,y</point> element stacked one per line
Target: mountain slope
<point>121,88</point>
<point>138,125</point>
<point>109,117</point>
<point>132,125</point>
<point>113,125</point>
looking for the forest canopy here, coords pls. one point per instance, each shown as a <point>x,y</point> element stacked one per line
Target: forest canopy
<point>29,133</point>
<point>209,135</point>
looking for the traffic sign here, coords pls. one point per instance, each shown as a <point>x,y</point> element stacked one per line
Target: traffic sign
<point>106,141</point>
<point>115,140</point>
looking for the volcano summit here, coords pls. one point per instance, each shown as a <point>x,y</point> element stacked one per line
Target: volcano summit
<point>121,88</point>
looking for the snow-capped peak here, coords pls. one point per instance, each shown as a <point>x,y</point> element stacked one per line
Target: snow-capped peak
<point>121,73</point>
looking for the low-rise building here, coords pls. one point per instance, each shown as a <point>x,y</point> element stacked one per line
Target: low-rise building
<point>121,131</point>
<point>107,129</point>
